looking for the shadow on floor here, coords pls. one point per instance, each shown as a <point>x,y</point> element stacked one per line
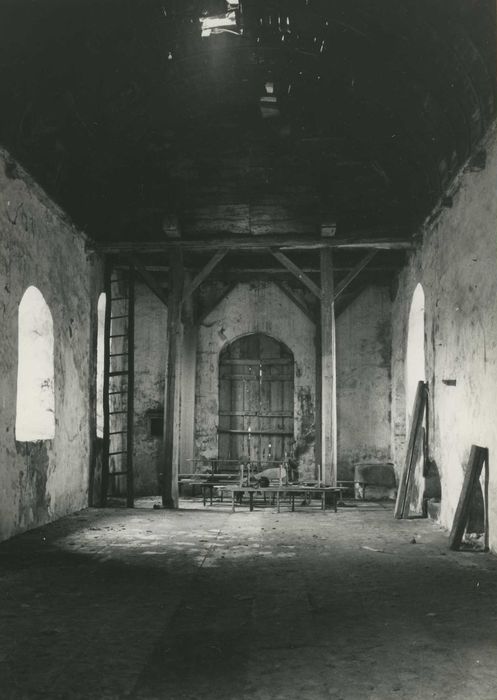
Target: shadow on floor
<point>202,603</point>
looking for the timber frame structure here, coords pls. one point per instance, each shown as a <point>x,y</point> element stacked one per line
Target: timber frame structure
<point>311,144</point>
<point>312,288</point>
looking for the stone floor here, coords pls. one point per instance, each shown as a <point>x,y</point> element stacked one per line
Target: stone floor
<point>203,603</point>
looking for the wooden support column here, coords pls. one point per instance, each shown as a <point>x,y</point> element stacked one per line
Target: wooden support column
<point>171,398</point>
<point>317,413</point>
<point>131,390</point>
<point>328,372</point>
<point>188,380</point>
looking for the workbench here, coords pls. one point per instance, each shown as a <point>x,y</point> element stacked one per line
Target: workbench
<point>292,491</point>
<point>206,487</point>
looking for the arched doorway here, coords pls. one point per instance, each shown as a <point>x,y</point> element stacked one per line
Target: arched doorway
<point>256,387</point>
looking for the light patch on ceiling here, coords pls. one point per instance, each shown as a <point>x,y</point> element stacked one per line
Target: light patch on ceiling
<point>217,24</point>
<point>269,106</point>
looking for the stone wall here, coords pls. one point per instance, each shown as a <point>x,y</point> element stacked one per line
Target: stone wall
<point>43,480</point>
<point>457,267</point>
<point>258,307</point>
<point>363,342</point>
<point>363,369</point>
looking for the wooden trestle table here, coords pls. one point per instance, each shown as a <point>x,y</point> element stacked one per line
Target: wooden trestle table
<point>335,491</point>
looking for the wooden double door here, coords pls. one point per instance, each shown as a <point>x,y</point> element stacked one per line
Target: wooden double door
<point>256,399</point>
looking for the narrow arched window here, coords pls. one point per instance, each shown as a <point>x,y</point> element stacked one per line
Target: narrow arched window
<point>100,363</point>
<point>35,417</point>
<point>415,355</point>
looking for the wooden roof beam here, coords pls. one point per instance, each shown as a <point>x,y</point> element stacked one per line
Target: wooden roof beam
<point>250,243</point>
<point>296,300</point>
<point>204,273</point>
<point>297,272</point>
<point>227,290</point>
<point>236,270</point>
<point>148,278</point>
<point>342,286</point>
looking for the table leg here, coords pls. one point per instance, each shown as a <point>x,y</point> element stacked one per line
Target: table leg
<point>204,494</point>
<point>323,500</point>
<point>232,501</point>
<point>278,501</point>
<point>292,496</point>
<point>335,501</point>
<point>251,500</point>
<point>212,490</point>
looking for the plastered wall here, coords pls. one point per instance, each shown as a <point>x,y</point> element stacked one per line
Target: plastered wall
<point>457,267</point>
<point>259,307</point>
<point>363,375</point>
<point>363,347</point>
<point>40,481</point>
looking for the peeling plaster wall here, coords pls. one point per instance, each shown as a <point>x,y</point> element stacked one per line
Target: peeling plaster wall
<point>41,481</point>
<point>150,364</point>
<point>457,267</point>
<point>259,307</point>
<point>363,342</point>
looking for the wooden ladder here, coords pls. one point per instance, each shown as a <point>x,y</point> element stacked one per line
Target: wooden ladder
<point>118,387</point>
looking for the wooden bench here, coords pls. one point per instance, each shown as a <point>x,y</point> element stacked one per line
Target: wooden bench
<point>292,491</point>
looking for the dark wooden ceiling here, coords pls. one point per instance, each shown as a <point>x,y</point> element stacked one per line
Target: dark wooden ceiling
<point>306,113</point>
<point>129,118</point>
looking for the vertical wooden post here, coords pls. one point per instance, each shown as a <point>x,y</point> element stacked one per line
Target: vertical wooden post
<point>317,413</point>
<point>188,382</point>
<point>171,407</point>
<point>328,372</point>
<point>131,390</point>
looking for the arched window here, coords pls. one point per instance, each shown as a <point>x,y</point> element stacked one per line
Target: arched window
<point>100,363</point>
<point>415,357</point>
<point>35,417</point>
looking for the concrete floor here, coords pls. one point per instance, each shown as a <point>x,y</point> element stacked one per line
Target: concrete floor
<point>202,603</point>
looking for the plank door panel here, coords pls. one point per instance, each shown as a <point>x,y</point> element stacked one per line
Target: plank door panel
<point>256,400</point>
<point>277,410</point>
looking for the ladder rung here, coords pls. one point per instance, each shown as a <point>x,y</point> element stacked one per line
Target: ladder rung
<point>118,354</point>
<point>115,413</point>
<point>115,393</point>
<point>114,318</point>
<point>119,335</point>
<point>119,299</point>
<point>118,374</point>
<point>122,452</point>
<point>118,432</point>
<point>117,473</point>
